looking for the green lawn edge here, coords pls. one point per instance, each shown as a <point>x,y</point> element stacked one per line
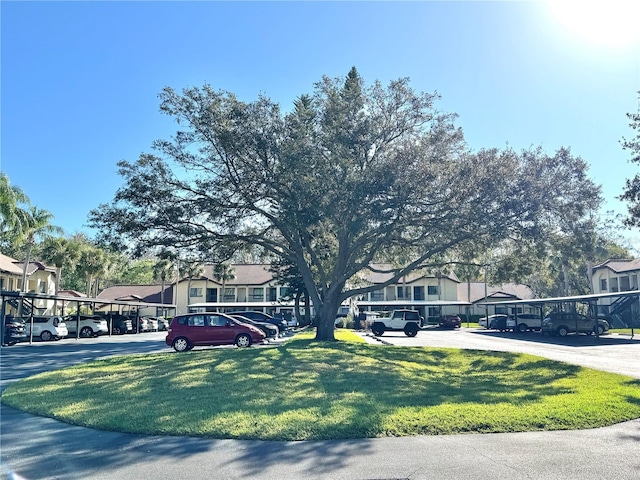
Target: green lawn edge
<point>308,390</point>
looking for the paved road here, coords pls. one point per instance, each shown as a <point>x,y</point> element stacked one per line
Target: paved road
<point>40,448</point>
<point>611,353</point>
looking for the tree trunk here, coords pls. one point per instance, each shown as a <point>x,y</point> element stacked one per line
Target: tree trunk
<point>58,277</point>
<point>326,318</point>
<point>26,267</point>
<point>307,309</point>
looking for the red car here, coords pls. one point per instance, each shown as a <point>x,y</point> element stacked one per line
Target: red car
<point>450,321</point>
<point>188,331</point>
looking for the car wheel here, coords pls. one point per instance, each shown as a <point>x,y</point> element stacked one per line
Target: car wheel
<point>243,340</point>
<point>522,327</point>
<point>600,329</point>
<point>411,330</point>
<point>563,331</point>
<point>181,344</point>
<point>116,331</point>
<point>377,330</point>
<point>86,332</point>
<point>45,336</point>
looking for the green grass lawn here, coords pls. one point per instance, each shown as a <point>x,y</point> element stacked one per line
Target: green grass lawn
<point>307,390</point>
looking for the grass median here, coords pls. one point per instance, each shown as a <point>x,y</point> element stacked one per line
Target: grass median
<point>307,390</point>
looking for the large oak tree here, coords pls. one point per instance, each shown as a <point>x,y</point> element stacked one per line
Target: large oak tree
<point>351,176</point>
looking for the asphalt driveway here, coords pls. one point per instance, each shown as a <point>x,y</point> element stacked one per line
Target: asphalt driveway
<point>41,448</point>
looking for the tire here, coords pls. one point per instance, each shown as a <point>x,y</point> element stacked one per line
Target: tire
<point>46,336</point>
<point>377,329</point>
<point>86,332</point>
<point>562,331</point>
<point>522,327</point>
<point>600,330</point>
<point>410,329</point>
<point>181,344</point>
<point>116,331</point>
<point>243,340</point>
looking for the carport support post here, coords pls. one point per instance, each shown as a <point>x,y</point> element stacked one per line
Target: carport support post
<point>77,320</point>
<point>31,327</point>
<point>3,313</point>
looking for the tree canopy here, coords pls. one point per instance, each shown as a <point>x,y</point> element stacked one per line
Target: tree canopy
<point>352,176</point>
<point>632,187</point>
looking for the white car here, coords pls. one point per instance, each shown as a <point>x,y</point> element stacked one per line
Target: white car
<point>46,327</point>
<point>89,325</point>
<point>152,324</point>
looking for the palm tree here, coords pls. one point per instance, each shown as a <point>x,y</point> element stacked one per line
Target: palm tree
<point>91,262</point>
<point>191,269</point>
<point>13,217</point>
<point>223,272</point>
<point>38,225</point>
<point>59,251</point>
<point>164,270</point>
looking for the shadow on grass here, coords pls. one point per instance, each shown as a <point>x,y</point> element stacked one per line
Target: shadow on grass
<point>315,390</point>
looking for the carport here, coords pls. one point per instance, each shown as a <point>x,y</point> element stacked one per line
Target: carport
<point>568,304</point>
<point>26,301</point>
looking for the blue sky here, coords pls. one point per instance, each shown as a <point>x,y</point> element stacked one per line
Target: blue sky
<point>80,79</point>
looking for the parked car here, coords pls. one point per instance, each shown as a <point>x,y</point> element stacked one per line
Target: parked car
<point>152,324</point>
<point>408,321</point>
<point>163,324</point>
<point>190,330</point>
<point>89,325</point>
<point>262,317</point>
<point>563,323</point>
<point>495,322</point>
<point>524,322</point>
<point>47,327</point>
<point>14,331</point>
<point>120,324</point>
<point>450,321</point>
<point>269,329</point>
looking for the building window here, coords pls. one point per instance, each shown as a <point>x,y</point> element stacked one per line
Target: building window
<point>418,293</point>
<point>43,287</point>
<point>603,285</point>
<point>195,292</point>
<point>257,294</point>
<point>434,311</point>
<point>273,294</point>
<point>625,285</point>
<point>229,294</point>
<point>285,292</point>
<point>614,284</point>
<point>432,290</point>
<point>404,293</point>
<point>212,294</point>
<point>377,296</point>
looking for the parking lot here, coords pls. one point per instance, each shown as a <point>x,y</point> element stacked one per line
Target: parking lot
<point>611,352</point>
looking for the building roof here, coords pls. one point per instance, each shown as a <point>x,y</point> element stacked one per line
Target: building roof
<point>145,293</point>
<point>506,291</point>
<point>71,293</point>
<point>35,266</point>
<point>245,274</point>
<point>618,265</point>
<point>8,265</point>
<point>381,277</point>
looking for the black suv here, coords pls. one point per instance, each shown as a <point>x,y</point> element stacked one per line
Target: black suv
<point>14,331</point>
